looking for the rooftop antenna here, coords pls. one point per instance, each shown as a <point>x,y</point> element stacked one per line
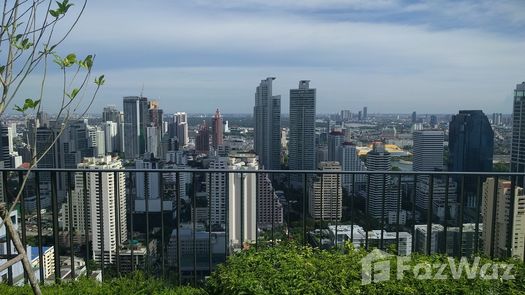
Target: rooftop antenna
<point>142,90</point>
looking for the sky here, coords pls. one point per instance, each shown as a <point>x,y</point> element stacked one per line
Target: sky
<point>394,56</point>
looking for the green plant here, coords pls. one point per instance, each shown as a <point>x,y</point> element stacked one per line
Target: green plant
<point>304,270</point>
<point>136,283</point>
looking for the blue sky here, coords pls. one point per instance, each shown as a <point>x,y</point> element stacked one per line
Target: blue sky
<point>391,55</point>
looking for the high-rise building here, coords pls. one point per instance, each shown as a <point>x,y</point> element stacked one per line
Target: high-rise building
<point>269,208</point>
<point>217,192</point>
<point>335,139</point>
<point>111,136</point>
<point>103,213</point>
<point>346,115</point>
<point>6,145</point>
<point>326,193</point>
<point>414,117</point>
<point>471,142</point>
<point>379,185</point>
<point>153,135</point>
<point>180,128</point>
<point>497,119</point>
<point>497,220</point>
<point>267,115</point>
<point>217,137</point>
<point>136,119</point>
<point>365,113</point>
<point>428,150</point>
<point>242,191</point>
<point>348,157</point>
<point>111,114</point>
<point>471,147</point>
<point>301,146</point>
<point>517,150</point>
<point>148,187</point>
<point>433,121</point>
<point>202,140</point>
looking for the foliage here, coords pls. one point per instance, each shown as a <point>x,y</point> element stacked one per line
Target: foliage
<point>501,167</point>
<point>133,284</point>
<point>304,270</point>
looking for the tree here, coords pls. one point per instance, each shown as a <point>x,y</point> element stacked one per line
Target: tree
<point>30,45</point>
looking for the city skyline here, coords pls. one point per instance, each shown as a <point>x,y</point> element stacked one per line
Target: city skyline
<point>387,54</point>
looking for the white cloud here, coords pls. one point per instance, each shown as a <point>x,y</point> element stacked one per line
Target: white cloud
<point>389,66</point>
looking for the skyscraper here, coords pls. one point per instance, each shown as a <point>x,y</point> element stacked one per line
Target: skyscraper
<point>111,114</point>
<point>218,191</point>
<point>301,146</point>
<point>496,227</point>
<point>335,139</point>
<point>365,113</point>
<point>471,142</point>
<point>202,140</point>
<point>414,117</point>
<point>6,145</point>
<point>326,199</point>
<point>348,157</point>
<point>104,213</point>
<point>217,130</point>
<point>428,150</point>
<point>180,120</point>
<point>517,151</point>
<point>136,119</point>
<point>267,115</point>
<point>471,147</point>
<point>346,115</point>
<point>379,185</point>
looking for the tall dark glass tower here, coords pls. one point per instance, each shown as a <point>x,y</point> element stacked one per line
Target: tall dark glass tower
<point>267,115</point>
<point>517,152</point>
<point>471,148</point>
<point>471,142</point>
<point>136,119</point>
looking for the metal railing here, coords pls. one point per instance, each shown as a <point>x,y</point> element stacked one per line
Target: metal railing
<point>178,224</point>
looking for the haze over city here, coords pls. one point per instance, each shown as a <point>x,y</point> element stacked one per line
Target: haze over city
<point>394,56</point>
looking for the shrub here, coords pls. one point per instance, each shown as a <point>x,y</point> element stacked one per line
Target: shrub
<point>303,270</point>
<point>133,284</point>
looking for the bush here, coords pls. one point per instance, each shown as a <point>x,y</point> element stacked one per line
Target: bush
<point>133,284</point>
<point>303,270</point>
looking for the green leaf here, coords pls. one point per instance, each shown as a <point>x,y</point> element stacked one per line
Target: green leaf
<point>74,93</point>
<point>71,58</point>
<point>54,13</point>
<point>88,62</point>
<point>100,80</point>
<point>2,68</point>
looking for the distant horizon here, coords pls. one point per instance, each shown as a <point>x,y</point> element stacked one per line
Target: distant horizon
<point>392,56</point>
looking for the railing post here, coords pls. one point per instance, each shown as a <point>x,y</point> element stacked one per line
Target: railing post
<point>194,221</point>
<point>445,226</point>
<point>177,188</point>
<point>304,207</point>
<point>86,218</point>
<point>429,214</point>
<point>54,205</point>
<point>478,213</point>
<point>116,204</point>
<point>39,226</point>
<point>162,233</point>
<point>23,214</point>
<point>398,211</point>
<point>461,205</point>
<point>381,241</point>
<point>70,217</point>
<point>101,223</point>
<point>146,203</point>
